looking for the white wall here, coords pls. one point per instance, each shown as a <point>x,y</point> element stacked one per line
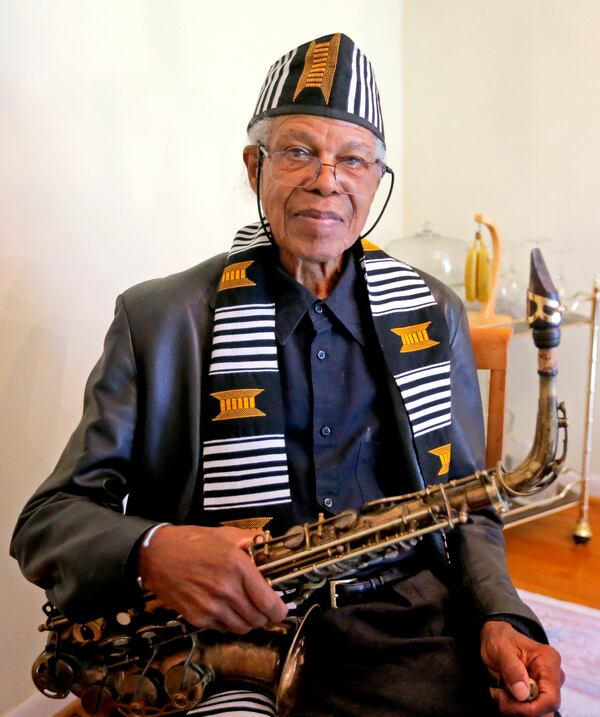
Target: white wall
<point>121,131</point>
<point>120,137</point>
<point>501,116</point>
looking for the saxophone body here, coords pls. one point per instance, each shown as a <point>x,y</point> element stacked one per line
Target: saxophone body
<point>149,661</point>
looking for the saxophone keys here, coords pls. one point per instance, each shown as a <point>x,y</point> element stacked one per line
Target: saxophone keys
<point>346,520</point>
<point>123,618</point>
<point>265,544</point>
<point>294,537</point>
<point>138,692</point>
<point>185,684</point>
<point>53,675</point>
<point>119,642</point>
<point>320,521</point>
<point>97,701</point>
<point>88,631</point>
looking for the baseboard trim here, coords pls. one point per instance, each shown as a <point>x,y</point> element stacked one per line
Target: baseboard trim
<point>39,706</point>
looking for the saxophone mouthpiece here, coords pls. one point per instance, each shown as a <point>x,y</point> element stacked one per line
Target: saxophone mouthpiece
<point>544,311</point>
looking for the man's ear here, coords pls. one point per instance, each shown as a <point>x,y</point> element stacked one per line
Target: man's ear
<point>251,162</point>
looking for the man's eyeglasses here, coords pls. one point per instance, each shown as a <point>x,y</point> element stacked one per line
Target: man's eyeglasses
<point>299,168</point>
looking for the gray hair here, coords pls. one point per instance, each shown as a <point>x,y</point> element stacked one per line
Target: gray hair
<point>260,132</point>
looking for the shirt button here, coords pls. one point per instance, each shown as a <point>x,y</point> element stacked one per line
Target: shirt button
<point>325,431</point>
<point>319,308</point>
<point>328,502</point>
<point>321,355</point>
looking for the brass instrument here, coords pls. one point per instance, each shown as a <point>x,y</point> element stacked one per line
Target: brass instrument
<point>149,661</point>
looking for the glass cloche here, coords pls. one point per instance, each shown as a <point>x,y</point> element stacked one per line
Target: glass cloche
<point>440,256</point>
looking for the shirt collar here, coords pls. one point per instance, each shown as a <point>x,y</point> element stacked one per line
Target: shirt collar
<point>294,300</point>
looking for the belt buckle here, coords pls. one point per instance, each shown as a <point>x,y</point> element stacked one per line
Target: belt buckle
<point>333,596</point>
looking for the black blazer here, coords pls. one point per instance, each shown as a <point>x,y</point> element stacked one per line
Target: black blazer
<point>139,439</point>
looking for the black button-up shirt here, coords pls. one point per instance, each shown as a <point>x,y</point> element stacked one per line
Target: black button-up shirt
<point>340,429</point>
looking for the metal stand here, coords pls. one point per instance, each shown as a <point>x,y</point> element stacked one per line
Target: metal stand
<point>583,532</point>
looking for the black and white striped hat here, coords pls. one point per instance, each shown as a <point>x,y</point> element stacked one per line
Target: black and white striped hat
<point>329,77</point>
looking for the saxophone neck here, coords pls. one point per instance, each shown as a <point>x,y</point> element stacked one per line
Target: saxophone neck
<point>544,316</point>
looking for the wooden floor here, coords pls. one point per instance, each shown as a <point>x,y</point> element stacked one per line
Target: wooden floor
<point>543,558</point>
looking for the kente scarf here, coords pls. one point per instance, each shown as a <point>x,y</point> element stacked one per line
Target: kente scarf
<point>245,473</point>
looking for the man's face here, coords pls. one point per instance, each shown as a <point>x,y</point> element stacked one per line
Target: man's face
<point>319,222</point>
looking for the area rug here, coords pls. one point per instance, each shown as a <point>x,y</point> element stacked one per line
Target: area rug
<point>575,632</point>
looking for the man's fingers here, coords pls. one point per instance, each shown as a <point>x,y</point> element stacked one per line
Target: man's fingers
<point>262,595</point>
<point>545,704</point>
<point>207,575</point>
<point>502,658</point>
<point>223,619</point>
<point>233,621</point>
<point>541,707</point>
<point>550,677</point>
<point>516,657</point>
<point>509,707</point>
<point>235,596</point>
<point>258,592</point>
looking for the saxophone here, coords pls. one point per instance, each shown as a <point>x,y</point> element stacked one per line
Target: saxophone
<point>148,661</point>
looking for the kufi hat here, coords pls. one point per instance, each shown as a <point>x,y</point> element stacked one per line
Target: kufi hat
<point>329,77</point>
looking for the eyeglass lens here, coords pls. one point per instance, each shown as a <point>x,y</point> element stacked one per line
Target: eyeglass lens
<point>353,176</point>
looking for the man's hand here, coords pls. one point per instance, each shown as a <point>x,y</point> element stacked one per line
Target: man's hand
<point>206,575</point>
<point>514,658</point>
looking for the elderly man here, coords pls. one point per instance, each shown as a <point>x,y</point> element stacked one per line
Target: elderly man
<point>261,388</point>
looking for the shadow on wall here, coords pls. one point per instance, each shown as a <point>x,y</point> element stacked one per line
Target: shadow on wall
<point>32,369</point>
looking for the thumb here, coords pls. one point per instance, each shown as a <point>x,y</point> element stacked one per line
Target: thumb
<point>514,674</point>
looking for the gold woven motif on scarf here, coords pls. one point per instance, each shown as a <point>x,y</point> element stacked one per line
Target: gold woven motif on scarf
<point>319,67</point>
<point>443,453</point>
<point>369,246</point>
<point>238,403</point>
<point>247,523</point>
<point>234,276</point>
<point>414,338</point>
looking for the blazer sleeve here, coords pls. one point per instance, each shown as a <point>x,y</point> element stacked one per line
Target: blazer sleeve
<point>73,538</point>
<point>478,547</point>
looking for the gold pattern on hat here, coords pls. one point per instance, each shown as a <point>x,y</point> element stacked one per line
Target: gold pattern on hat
<point>234,276</point>
<point>415,337</point>
<point>369,246</point>
<point>319,66</point>
<point>443,453</point>
<point>238,403</point>
<point>248,523</point>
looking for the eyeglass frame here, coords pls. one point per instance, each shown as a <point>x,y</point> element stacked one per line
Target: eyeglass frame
<point>267,229</point>
<point>264,151</point>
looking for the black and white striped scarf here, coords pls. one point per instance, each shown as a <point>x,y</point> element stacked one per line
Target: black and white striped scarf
<point>245,473</point>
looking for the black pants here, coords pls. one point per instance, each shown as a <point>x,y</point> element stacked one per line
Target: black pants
<point>405,654</point>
